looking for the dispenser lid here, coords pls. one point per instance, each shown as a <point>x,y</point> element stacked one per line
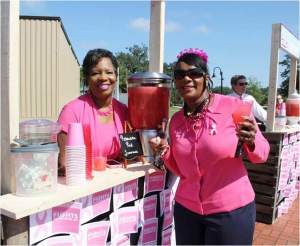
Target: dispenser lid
<point>149,77</point>
<point>45,148</point>
<point>293,96</point>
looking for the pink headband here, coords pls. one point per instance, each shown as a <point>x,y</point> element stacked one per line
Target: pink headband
<point>200,53</point>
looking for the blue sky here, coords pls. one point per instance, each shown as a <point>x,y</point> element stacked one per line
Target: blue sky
<point>235,34</point>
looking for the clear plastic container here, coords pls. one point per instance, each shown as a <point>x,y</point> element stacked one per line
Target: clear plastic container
<point>38,131</point>
<point>35,169</point>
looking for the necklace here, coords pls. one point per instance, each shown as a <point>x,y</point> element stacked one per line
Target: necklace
<point>107,112</point>
<point>199,109</point>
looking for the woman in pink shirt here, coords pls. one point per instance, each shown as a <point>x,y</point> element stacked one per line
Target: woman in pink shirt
<point>97,108</point>
<point>214,202</point>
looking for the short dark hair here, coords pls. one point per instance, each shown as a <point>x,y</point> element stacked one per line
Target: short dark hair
<point>195,60</point>
<point>236,78</point>
<point>93,57</point>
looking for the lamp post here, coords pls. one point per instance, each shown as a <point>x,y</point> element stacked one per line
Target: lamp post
<point>221,75</point>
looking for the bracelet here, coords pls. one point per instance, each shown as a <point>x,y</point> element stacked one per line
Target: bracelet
<point>165,148</point>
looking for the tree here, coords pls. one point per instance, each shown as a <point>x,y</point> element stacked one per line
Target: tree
<point>285,75</point>
<point>217,89</point>
<point>135,60</point>
<point>254,88</point>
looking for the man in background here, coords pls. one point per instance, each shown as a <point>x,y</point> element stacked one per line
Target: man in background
<point>239,85</point>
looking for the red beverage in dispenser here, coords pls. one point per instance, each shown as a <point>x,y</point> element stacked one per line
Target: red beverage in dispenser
<point>293,109</point>
<point>148,99</point>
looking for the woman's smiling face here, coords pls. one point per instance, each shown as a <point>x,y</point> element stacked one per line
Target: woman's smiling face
<point>102,79</point>
<point>190,81</point>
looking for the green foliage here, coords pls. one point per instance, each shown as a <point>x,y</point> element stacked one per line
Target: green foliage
<point>217,89</point>
<point>254,88</point>
<point>285,75</point>
<point>135,60</point>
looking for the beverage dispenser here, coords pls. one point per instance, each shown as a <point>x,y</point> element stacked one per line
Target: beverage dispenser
<point>293,109</point>
<point>148,103</point>
<point>148,99</point>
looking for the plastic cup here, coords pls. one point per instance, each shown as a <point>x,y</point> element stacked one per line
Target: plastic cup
<point>244,109</point>
<point>89,150</point>
<point>75,135</point>
<point>100,163</point>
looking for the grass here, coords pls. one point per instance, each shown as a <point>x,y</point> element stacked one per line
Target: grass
<point>173,110</point>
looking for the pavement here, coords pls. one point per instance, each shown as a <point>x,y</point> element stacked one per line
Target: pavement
<point>284,231</point>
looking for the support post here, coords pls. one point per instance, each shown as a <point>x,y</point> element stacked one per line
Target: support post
<point>157,30</point>
<point>15,231</point>
<point>273,76</point>
<point>293,75</point>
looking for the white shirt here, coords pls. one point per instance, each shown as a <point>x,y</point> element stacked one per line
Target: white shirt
<point>258,111</point>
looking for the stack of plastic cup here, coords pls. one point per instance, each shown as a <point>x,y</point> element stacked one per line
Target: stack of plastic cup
<point>88,150</point>
<point>75,155</point>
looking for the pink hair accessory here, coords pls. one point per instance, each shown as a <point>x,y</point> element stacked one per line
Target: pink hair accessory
<point>200,53</point>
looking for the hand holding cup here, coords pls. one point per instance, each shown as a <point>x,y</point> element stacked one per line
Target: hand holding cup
<point>246,131</point>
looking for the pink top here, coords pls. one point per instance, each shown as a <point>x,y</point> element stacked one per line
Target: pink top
<point>202,154</point>
<point>105,139</point>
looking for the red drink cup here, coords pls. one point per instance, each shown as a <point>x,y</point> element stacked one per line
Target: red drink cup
<point>244,109</point>
<point>100,163</point>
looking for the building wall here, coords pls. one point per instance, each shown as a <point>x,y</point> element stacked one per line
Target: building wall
<point>42,53</point>
<point>69,72</point>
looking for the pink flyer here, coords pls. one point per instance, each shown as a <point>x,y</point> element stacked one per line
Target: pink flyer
<point>166,237</point>
<point>40,226</point>
<point>149,207</point>
<point>285,140</point>
<point>101,202</point>
<point>58,241</point>
<point>293,138</point>
<point>130,191</point>
<point>166,200</point>
<point>86,210</point>
<point>66,218</point>
<point>149,232</point>
<point>124,193</point>
<point>124,221</point>
<point>284,152</point>
<point>61,219</point>
<point>97,233</point>
<point>168,218</point>
<point>121,240</point>
<point>154,182</point>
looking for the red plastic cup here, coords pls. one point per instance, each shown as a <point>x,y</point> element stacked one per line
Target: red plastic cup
<point>75,135</point>
<point>100,163</point>
<point>89,150</point>
<point>244,109</point>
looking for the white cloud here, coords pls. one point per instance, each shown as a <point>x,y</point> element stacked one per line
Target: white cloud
<point>140,24</point>
<point>173,26</point>
<point>202,29</point>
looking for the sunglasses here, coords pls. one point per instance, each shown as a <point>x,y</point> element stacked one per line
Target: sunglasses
<point>243,83</point>
<point>192,73</point>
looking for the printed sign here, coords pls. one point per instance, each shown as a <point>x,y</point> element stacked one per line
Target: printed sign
<point>154,182</point>
<point>58,241</point>
<point>61,219</point>
<point>101,202</point>
<point>96,233</point>
<point>149,232</point>
<point>149,207</point>
<point>120,240</point>
<point>124,221</point>
<point>166,237</point>
<point>131,145</point>
<point>86,209</point>
<point>124,193</point>
<point>66,218</point>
